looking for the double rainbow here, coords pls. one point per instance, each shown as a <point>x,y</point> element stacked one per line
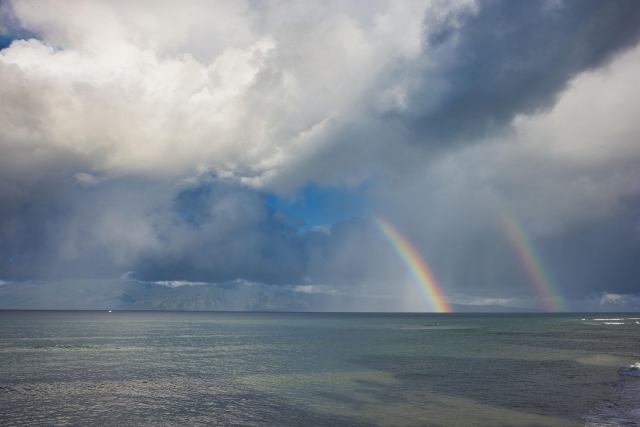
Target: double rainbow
<point>550,298</point>
<point>419,269</point>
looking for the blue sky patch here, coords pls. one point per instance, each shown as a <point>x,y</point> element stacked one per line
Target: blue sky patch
<point>319,205</point>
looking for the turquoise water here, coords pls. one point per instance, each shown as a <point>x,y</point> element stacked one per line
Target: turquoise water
<point>294,369</point>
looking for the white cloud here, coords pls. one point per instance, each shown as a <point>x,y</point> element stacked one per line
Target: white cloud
<point>133,89</point>
<point>179,283</point>
<point>474,300</point>
<point>608,298</point>
<point>316,289</point>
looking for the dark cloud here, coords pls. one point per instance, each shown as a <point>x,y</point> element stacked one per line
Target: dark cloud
<point>598,257</point>
<point>210,231</point>
<point>222,232</point>
<point>501,58</point>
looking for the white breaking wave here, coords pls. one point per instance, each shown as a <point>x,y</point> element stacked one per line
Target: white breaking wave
<point>633,370</point>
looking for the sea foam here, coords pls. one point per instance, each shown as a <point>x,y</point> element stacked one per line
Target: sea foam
<point>622,409</point>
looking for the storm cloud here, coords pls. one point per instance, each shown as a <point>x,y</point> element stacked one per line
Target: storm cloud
<point>493,60</point>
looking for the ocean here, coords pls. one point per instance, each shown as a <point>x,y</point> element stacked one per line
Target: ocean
<point>90,368</point>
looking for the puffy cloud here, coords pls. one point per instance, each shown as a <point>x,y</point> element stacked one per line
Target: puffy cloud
<point>273,93</point>
<point>612,298</point>
<point>118,86</point>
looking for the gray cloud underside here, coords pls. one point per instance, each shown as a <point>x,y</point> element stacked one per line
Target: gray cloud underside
<point>498,59</point>
<point>210,232</point>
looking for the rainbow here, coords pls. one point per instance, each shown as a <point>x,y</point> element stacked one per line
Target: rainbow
<point>549,296</point>
<point>428,285</point>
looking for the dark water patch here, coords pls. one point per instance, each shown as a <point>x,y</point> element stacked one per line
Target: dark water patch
<point>65,347</point>
<point>623,407</point>
<point>603,340</point>
<point>546,387</point>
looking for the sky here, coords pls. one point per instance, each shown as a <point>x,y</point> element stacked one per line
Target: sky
<point>263,142</point>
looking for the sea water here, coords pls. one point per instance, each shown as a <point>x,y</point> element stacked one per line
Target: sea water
<point>307,369</point>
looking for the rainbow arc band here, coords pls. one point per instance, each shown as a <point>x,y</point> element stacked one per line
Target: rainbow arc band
<point>428,286</point>
<point>549,296</point>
